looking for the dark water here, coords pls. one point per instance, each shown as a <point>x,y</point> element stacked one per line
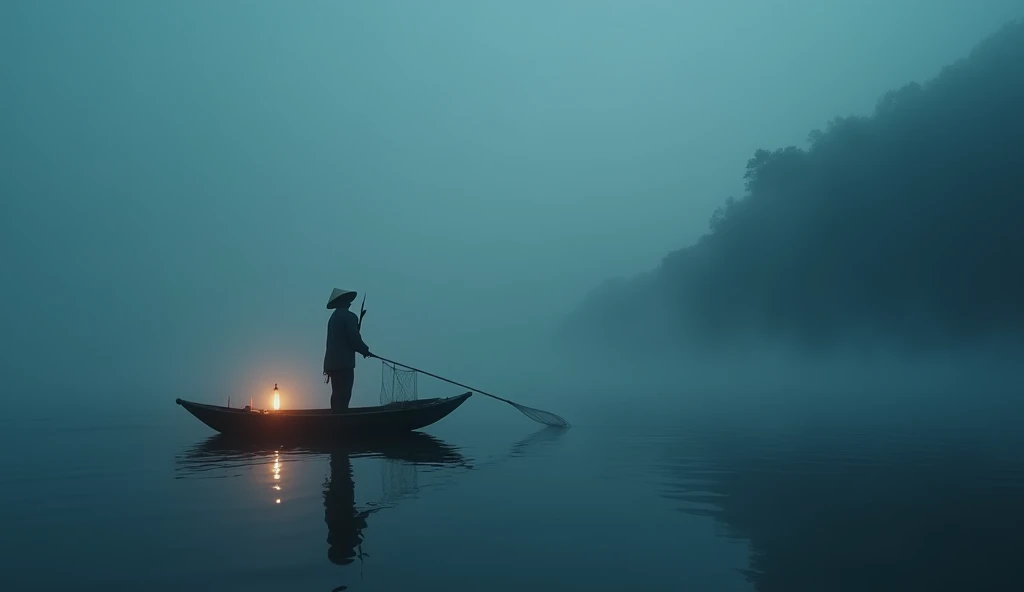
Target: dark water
<point>155,503</point>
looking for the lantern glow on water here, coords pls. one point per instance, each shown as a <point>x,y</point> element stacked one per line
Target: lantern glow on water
<point>275,470</point>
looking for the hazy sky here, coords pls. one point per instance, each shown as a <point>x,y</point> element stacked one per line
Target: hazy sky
<point>184,182</point>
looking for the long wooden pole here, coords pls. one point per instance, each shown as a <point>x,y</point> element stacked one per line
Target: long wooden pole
<point>538,415</point>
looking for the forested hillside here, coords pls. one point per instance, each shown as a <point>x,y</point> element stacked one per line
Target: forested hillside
<point>906,225</point>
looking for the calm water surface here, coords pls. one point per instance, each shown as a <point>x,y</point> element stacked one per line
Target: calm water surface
<point>156,503</point>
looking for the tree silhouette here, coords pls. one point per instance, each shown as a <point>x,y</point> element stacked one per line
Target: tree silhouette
<point>907,225</point>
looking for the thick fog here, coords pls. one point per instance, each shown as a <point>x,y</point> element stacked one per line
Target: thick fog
<point>184,183</point>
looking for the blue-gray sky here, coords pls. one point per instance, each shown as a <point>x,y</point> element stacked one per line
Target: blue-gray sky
<point>183,183</point>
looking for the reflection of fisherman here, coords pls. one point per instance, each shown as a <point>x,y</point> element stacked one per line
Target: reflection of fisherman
<point>344,525</point>
<point>343,341</point>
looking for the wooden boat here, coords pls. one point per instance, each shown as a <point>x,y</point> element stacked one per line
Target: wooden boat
<point>319,424</point>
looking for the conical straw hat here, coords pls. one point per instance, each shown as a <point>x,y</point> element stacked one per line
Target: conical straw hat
<point>337,294</point>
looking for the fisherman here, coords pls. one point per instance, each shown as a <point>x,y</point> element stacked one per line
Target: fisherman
<point>343,341</point>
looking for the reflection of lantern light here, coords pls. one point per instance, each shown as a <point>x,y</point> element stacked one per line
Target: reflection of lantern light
<point>275,471</point>
<point>277,398</point>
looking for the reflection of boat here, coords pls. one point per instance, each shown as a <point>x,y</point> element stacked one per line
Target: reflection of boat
<point>401,455</point>
<point>323,423</point>
<point>345,521</point>
<point>222,451</point>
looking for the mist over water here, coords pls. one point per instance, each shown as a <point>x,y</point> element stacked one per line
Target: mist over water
<point>183,187</point>
<point>812,386</point>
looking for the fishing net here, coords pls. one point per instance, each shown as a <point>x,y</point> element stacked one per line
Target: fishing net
<point>397,385</point>
<point>540,416</point>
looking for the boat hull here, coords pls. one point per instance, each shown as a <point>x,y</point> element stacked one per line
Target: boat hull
<point>322,424</point>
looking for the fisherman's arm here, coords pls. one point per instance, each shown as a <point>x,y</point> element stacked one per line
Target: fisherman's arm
<point>352,327</point>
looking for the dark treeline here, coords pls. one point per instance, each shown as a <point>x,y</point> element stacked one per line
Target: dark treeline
<point>907,224</point>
